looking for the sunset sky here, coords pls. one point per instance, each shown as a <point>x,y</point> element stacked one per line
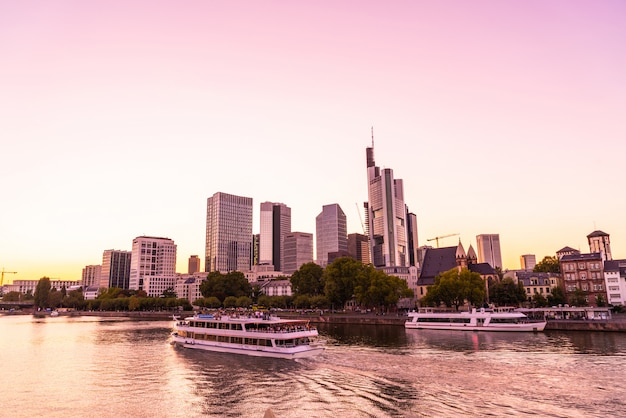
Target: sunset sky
<point>120,118</point>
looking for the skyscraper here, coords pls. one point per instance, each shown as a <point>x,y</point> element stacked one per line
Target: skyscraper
<point>489,249</point>
<point>358,247</point>
<point>228,233</point>
<point>528,262</point>
<point>115,269</point>
<point>275,224</point>
<point>193,265</point>
<point>298,251</point>
<point>386,216</point>
<point>91,276</point>
<point>152,257</point>
<point>330,233</point>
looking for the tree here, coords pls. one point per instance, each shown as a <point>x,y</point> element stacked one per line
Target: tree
<point>221,285</point>
<point>539,300</point>
<point>340,278</point>
<point>556,297</point>
<point>453,288</point>
<point>230,302</point>
<point>375,288</point>
<point>549,264</point>
<point>12,297</point>
<point>578,298</point>
<point>244,301</point>
<point>308,280</point>
<point>42,292</point>
<point>55,298</point>
<point>507,293</point>
<point>169,293</point>
<point>600,300</point>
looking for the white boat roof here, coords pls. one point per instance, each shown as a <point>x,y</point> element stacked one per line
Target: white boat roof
<point>272,320</point>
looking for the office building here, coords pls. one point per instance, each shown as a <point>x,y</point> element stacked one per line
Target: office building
<point>194,264</point>
<point>228,233</point>
<point>528,262</point>
<point>298,251</point>
<point>488,246</point>
<point>153,264</point>
<point>275,223</point>
<point>359,247</point>
<point>91,276</point>
<point>331,234</point>
<point>386,216</point>
<point>115,269</point>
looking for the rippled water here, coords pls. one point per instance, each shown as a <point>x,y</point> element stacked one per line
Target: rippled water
<point>84,366</point>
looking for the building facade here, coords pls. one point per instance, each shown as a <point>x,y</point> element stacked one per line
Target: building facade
<point>115,269</point>
<point>615,278</point>
<point>228,233</point>
<point>359,247</point>
<point>298,251</point>
<point>193,265</point>
<point>599,242</point>
<point>91,276</point>
<point>153,264</point>
<point>385,216</point>
<point>331,233</point>
<point>528,262</point>
<point>488,246</point>
<point>584,272</point>
<point>275,223</point>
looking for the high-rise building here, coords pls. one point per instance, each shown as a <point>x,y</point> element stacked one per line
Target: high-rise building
<point>194,264</point>
<point>275,224</point>
<point>386,216</point>
<point>298,251</point>
<point>413,243</point>
<point>528,262</point>
<point>115,269</point>
<point>359,248</point>
<point>91,276</point>
<point>599,242</point>
<point>152,258</point>
<point>228,233</point>
<point>489,249</point>
<point>331,233</point>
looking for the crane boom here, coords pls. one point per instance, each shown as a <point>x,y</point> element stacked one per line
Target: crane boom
<point>3,273</point>
<point>440,237</point>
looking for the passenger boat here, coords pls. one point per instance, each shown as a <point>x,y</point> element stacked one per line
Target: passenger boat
<point>476,320</point>
<point>255,335</point>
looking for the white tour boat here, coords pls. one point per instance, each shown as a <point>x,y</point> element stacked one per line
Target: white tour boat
<point>476,320</point>
<point>256,335</point>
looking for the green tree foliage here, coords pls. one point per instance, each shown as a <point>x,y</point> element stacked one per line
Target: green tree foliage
<point>340,279</point>
<point>539,301</point>
<point>600,300</point>
<point>453,288</point>
<point>556,297</point>
<point>244,302</point>
<point>12,297</point>
<point>74,299</point>
<point>302,301</point>
<point>230,302</point>
<point>549,264</point>
<point>507,293</point>
<point>375,288</point>
<point>42,292</point>
<point>319,302</point>
<point>169,293</point>
<point>578,298</point>
<point>224,285</point>
<point>210,302</point>
<point>308,280</point>
<point>55,298</point>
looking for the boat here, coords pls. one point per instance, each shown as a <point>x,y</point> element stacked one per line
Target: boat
<point>258,334</point>
<point>474,320</point>
<point>54,313</point>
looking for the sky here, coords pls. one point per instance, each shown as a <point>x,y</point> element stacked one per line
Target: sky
<point>120,118</point>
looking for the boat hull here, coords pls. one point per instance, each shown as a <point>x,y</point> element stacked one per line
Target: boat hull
<point>256,351</point>
<point>528,327</point>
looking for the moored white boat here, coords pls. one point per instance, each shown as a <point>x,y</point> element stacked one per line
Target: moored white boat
<point>262,335</point>
<point>476,320</point>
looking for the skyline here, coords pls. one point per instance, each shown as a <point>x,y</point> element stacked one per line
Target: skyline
<point>121,119</point>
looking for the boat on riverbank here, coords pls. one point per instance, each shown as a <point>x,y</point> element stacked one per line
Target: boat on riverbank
<point>260,335</point>
<point>476,320</point>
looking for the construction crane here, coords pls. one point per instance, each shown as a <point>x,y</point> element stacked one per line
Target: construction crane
<point>440,237</point>
<point>360,218</point>
<point>3,273</point>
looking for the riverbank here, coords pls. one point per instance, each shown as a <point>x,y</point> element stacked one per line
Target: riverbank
<point>616,324</point>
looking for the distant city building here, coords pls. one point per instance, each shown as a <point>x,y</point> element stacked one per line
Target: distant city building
<point>528,262</point>
<point>535,283</point>
<point>359,247</point>
<point>413,243</point>
<point>615,278</point>
<point>91,275</point>
<point>275,223</point>
<point>331,234</point>
<point>25,286</point>
<point>488,246</point>
<point>153,264</point>
<point>298,251</point>
<point>115,269</point>
<point>385,216</point>
<point>599,242</point>
<point>262,273</point>
<point>228,233</point>
<point>584,272</point>
<point>194,264</point>
<point>276,287</point>
<point>566,251</point>
<point>188,286</point>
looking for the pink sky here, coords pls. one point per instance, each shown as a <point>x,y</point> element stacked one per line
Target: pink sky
<point>120,118</point>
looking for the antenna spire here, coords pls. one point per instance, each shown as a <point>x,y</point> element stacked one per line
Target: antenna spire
<point>372,137</point>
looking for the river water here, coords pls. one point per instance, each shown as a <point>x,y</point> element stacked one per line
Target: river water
<point>96,367</point>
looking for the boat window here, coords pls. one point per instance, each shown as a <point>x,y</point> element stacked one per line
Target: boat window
<point>236,340</point>
<point>236,327</point>
<point>222,338</point>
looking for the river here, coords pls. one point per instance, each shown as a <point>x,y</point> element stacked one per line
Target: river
<point>89,366</point>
